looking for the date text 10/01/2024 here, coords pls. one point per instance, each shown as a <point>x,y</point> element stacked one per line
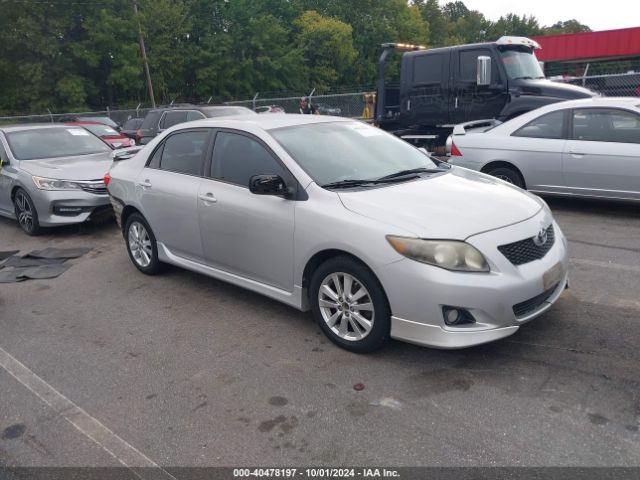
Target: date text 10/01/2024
<point>315,472</point>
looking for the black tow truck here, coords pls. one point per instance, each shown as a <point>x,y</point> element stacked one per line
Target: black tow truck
<point>442,87</point>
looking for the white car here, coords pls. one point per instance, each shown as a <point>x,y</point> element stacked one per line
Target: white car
<point>335,216</point>
<point>582,148</point>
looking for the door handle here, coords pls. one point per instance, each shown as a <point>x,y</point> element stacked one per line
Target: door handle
<point>573,152</point>
<point>208,198</point>
<point>145,184</point>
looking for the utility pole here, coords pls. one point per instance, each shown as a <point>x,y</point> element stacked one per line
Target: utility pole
<point>143,52</point>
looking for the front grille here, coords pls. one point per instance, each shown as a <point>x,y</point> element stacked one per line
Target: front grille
<point>525,251</point>
<point>523,308</point>
<point>97,188</point>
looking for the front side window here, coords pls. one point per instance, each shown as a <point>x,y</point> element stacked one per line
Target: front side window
<point>172,118</point>
<point>182,152</point>
<point>41,143</point>
<point>236,158</point>
<point>550,125</point>
<point>468,66</point>
<point>335,151</point>
<point>606,125</point>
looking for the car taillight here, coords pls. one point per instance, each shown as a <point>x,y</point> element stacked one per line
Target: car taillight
<point>106,179</point>
<point>454,151</point>
<point>138,135</point>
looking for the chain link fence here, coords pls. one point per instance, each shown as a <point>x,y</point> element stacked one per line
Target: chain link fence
<point>355,105</point>
<point>616,85</point>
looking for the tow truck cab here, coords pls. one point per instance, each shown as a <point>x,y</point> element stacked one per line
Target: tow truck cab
<point>441,87</point>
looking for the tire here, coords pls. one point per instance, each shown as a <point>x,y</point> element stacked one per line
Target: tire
<point>141,245</point>
<point>26,213</point>
<point>343,319</point>
<point>507,174</point>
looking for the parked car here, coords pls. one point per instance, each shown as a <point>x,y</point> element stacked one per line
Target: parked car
<point>104,120</point>
<point>107,134</point>
<point>581,148</point>
<point>324,109</point>
<point>160,119</point>
<point>131,126</point>
<point>51,175</point>
<point>269,109</point>
<point>376,238</point>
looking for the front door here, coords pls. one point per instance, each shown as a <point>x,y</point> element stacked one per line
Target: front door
<point>7,174</point>
<point>242,233</point>
<point>469,100</point>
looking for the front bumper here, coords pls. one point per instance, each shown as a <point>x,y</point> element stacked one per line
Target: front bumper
<point>417,292</point>
<point>65,207</point>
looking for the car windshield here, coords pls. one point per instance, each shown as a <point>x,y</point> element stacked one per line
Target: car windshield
<point>105,120</point>
<point>101,130</point>
<point>132,123</point>
<point>227,112</point>
<point>521,64</point>
<point>348,151</point>
<point>53,143</point>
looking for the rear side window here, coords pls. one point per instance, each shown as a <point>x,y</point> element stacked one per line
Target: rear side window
<point>550,125</point>
<point>151,120</point>
<point>606,125</point>
<point>172,118</point>
<point>468,65</point>
<point>236,158</point>
<point>182,152</point>
<point>427,69</point>
<point>194,115</point>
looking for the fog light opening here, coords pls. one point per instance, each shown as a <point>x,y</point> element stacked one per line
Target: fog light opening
<point>454,316</point>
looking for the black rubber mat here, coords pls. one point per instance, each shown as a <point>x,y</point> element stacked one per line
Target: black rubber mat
<point>4,255</point>
<point>59,252</point>
<point>16,261</point>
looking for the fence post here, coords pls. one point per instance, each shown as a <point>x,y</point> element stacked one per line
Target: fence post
<point>138,108</point>
<point>50,115</point>
<point>255,97</point>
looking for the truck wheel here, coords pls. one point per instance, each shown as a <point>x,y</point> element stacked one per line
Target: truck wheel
<point>507,174</point>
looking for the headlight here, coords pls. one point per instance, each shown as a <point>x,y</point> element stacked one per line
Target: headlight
<point>449,254</point>
<point>54,184</point>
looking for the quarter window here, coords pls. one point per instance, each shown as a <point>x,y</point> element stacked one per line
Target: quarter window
<point>236,158</point>
<point>182,152</point>
<point>550,125</point>
<point>606,125</point>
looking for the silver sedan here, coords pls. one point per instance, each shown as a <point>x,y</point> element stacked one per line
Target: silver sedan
<point>335,216</point>
<point>581,148</point>
<point>52,175</point>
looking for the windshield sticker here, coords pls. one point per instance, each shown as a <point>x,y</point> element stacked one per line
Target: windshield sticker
<point>77,131</point>
<point>366,131</point>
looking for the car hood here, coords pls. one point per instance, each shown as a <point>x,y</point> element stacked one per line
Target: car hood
<point>454,205</point>
<point>83,167</point>
<point>547,88</point>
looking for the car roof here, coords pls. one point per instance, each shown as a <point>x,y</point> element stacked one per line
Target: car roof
<point>32,126</point>
<point>187,106</point>
<point>84,122</point>
<point>598,102</point>
<point>265,122</point>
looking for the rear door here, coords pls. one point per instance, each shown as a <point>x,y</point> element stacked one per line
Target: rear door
<point>425,89</point>
<point>602,156</point>
<point>168,191</point>
<point>243,233</point>
<point>468,100</point>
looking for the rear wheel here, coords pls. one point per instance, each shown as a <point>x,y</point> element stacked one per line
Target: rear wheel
<point>26,213</point>
<point>141,245</point>
<point>349,305</point>
<point>507,174</point>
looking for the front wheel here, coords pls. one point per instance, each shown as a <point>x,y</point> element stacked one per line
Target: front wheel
<point>507,174</point>
<point>350,305</point>
<point>141,245</point>
<point>26,213</point>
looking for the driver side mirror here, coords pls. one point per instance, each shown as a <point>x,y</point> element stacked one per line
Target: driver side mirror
<point>269,185</point>
<point>483,76</point>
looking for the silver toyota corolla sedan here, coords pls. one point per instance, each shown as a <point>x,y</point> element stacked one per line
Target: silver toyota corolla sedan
<point>339,217</point>
<point>581,148</point>
<point>52,175</point>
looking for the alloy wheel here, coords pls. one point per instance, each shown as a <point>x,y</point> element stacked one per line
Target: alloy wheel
<point>346,306</point>
<point>24,211</point>
<point>140,244</point>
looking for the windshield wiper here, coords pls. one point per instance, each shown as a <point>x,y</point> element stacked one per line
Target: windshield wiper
<point>412,171</point>
<point>348,183</point>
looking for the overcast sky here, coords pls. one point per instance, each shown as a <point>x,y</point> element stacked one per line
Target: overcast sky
<point>597,14</point>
